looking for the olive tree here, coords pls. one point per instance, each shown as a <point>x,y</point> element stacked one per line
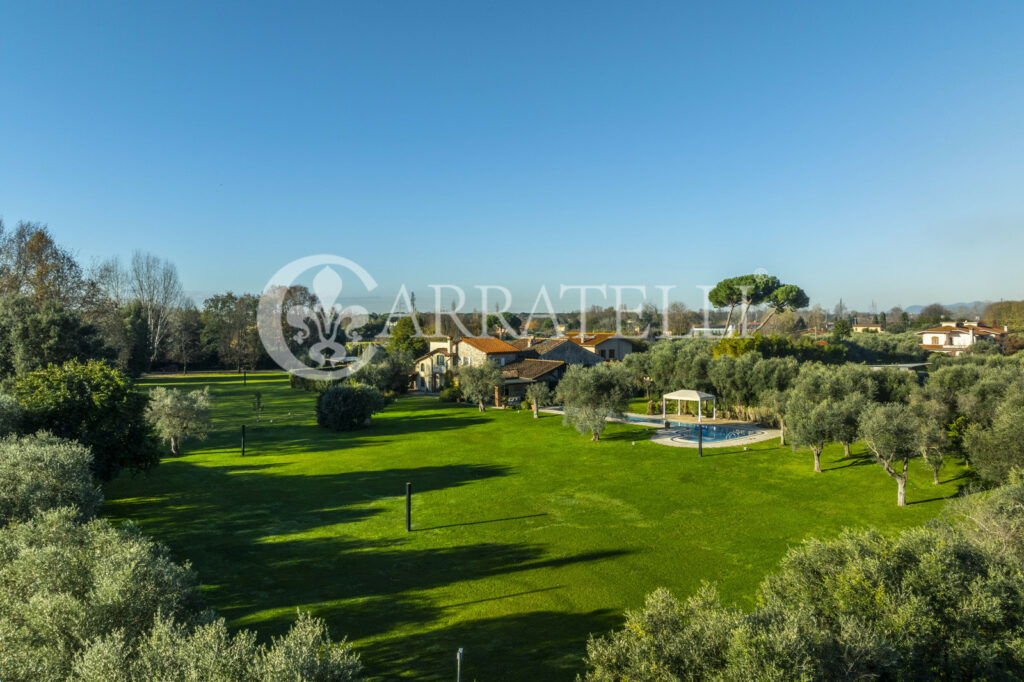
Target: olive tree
<point>40,472</point>
<point>812,425</point>
<point>891,432</point>
<point>479,382</point>
<point>64,583</point>
<point>589,395</point>
<point>174,651</point>
<point>998,449</point>
<point>847,419</point>
<point>93,603</point>
<point>539,394</point>
<point>939,602</point>
<point>178,415</point>
<point>933,434</point>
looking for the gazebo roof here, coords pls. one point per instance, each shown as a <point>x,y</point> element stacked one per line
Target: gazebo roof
<point>695,396</point>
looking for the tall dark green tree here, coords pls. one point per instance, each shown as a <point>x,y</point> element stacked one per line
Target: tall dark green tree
<point>403,337</point>
<point>186,343</point>
<point>35,335</point>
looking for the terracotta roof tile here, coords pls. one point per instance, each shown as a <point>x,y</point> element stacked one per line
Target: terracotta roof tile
<point>487,344</point>
<point>590,339</point>
<point>530,368</point>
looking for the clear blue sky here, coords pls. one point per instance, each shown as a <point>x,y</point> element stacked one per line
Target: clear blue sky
<point>873,151</point>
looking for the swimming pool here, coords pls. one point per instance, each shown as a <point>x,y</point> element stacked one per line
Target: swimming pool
<point>714,433</point>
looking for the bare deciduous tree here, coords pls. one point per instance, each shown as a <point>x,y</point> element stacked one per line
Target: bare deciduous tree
<point>154,282</point>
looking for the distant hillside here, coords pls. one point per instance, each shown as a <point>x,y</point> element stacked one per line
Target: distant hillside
<point>974,306</point>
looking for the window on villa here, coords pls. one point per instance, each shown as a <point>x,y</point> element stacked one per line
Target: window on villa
<point>935,340</point>
<point>611,353</point>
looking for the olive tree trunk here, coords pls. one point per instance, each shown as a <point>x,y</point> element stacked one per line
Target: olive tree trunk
<point>817,458</point>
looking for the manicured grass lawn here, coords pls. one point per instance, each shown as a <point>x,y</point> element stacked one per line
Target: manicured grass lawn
<point>527,536</point>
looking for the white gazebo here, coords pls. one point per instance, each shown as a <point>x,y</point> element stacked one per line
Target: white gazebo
<point>698,397</point>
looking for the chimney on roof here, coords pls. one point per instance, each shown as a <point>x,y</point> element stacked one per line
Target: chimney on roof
<point>1005,328</point>
<point>529,342</point>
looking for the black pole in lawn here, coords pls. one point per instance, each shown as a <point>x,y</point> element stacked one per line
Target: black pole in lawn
<point>408,507</point>
<point>243,440</point>
<point>700,440</point>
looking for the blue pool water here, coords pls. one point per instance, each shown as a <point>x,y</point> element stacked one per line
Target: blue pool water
<point>715,433</point>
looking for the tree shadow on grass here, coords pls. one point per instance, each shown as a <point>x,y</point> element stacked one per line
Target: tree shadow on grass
<point>852,461</point>
<point>239,499</point>
<point>476,523</point>
<point>632,434</point>
<point>536,645</point>
<point>368,589</point>
<point>960,488</point>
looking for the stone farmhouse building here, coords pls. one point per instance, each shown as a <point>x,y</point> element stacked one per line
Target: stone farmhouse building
<point>605,345</point>
<point>522,361</point>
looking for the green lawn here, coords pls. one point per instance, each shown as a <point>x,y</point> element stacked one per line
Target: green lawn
<point>527,536</point>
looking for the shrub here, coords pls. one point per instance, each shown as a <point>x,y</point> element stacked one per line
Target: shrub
<point>41,472</point>
<point>348,406</point>
<point>451,394</point>
<point>95,405</point>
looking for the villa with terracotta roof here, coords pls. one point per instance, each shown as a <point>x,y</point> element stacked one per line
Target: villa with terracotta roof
<point>432,372</point>
<point>522,361</point>
<point>954,338</point>
<point>474,350</point>
<point>557,348</point>
<point>606,345</point>
<point>521,373</point>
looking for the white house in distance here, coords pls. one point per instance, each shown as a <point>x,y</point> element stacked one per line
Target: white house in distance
<point>956,337</point>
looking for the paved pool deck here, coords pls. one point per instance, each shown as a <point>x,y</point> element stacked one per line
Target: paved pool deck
<point>670,436</point>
